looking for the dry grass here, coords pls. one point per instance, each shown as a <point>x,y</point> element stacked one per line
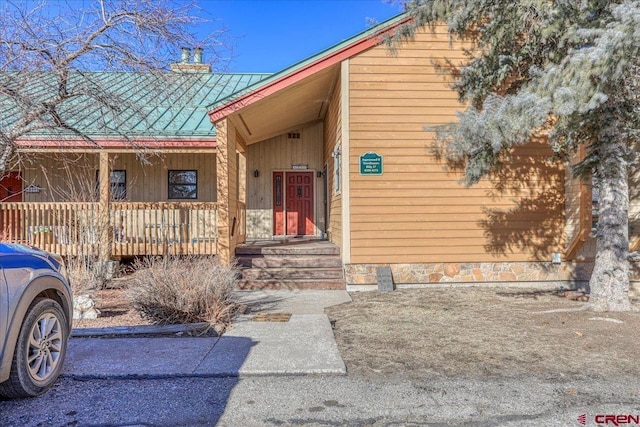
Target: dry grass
<point>174,290</point>
<point>474,332</point>
<point>87,274</point>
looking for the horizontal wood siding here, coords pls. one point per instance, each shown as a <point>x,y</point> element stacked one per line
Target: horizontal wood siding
<point>70,177</point>
<point>332,137</point>
<point>634,209</point>
<point>418,210</point>
<point>279,154</point>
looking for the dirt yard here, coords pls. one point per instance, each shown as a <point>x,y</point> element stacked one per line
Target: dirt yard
<point>114,307</point>
<point>463,332</point>
<point>472,332</point>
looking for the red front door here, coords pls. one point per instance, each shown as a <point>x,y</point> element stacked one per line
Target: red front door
<point>11,187</point>
<point>296,216</point>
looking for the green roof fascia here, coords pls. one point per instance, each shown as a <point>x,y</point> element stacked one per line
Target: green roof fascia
<point>308,61</point>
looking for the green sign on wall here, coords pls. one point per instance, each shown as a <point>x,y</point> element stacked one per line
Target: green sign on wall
<point>371,164</point>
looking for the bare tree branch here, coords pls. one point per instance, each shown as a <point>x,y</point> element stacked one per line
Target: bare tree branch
<point>58,65</point>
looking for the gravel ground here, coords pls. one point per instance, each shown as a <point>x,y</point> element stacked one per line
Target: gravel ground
<point>114,307</point>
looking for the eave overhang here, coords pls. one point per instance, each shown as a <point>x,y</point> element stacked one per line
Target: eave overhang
<point>324,67</point>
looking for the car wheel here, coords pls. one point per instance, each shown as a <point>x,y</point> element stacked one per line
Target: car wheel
<point>40,350</point>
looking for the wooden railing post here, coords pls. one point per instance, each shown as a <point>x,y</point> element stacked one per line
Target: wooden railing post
<point>104,241</point>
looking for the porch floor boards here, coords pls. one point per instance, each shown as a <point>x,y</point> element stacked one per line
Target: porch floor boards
<point>295,263</point>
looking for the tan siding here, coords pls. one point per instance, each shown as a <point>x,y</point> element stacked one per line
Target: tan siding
<point>332,136</point>
<point>634,205</point>
<point>73,177</point>
<point>61,178</point>
<point>418,211</point>
<point>279,154</point>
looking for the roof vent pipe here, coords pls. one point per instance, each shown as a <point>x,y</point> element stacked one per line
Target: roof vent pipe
<point>186,53</point>
<point>197,55</point>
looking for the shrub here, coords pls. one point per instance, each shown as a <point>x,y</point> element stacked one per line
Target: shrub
<point>87,274</point>
<point>174,290</point>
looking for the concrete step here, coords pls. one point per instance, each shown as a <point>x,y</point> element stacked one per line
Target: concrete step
<point>290,273</point>
<point>290,284</point>
<point>301,261</point>
<point>302,249</point>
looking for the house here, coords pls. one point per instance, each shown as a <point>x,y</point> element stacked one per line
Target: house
<point>338,141</point>
<point>335,147</point>
<point>144,181</point>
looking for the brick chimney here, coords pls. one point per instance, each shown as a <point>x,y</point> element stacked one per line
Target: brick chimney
<point>197,66</point>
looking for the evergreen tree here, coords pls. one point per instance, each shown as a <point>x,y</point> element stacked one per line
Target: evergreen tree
<point>567,67</point>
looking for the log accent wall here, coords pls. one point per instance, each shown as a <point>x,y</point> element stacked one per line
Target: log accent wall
<point>418,211</point>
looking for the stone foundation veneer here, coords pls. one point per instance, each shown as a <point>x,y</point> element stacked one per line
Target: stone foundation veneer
<point>490,272</point>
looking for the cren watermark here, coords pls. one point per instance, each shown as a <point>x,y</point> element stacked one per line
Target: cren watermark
<point>612,420</point>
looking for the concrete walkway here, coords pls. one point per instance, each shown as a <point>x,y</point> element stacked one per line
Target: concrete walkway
<point>303,345</point>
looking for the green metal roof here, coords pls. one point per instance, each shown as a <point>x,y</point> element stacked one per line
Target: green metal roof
<point>171,105</point>
<point>305,62</point>
<point>148,105</point>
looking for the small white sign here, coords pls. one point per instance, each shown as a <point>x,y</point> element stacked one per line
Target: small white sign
<point>299,167</point>
<point>32,189</point>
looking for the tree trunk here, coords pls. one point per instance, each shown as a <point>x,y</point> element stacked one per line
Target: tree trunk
<point>610,278</point>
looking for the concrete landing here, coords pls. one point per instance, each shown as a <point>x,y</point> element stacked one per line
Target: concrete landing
<point>304,345</point>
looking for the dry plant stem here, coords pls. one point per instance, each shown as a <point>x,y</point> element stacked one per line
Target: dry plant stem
<point>173,290</point>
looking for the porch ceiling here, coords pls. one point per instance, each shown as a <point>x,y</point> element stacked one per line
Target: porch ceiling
<point>287,109</point>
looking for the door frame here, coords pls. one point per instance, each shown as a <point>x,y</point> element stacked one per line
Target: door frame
<point>326,200</point>
<point>283,210</point>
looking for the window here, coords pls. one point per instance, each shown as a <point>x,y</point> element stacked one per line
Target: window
<point>183,184</point>
<point>118,181</point>
<point>118,184</point>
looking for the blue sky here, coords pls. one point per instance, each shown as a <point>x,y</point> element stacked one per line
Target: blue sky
<point>268,36</point>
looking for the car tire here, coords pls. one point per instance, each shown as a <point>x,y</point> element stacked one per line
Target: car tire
<point>40,350</point>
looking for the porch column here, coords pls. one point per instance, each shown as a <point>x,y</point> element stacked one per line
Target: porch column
<point>226,168</point>
<point>104,246</point>
<point>242,191</point>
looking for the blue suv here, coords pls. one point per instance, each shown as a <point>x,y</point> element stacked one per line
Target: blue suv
<point>36,310</point>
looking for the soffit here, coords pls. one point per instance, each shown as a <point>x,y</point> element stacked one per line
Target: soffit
<point>287,109</point>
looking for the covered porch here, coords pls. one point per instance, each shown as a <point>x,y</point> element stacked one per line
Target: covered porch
<point>129,229</point>
<point>106,202</point>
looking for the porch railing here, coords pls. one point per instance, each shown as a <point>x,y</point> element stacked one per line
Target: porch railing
<point>77,228</point>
